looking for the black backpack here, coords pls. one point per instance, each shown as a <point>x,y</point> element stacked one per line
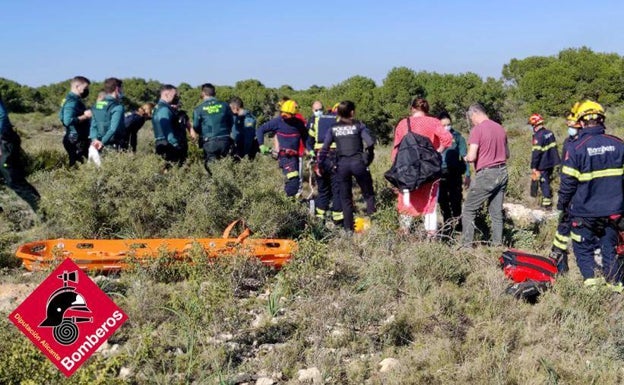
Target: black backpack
<point>416,162</point>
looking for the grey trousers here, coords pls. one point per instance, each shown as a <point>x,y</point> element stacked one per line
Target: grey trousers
<point>489,185</point>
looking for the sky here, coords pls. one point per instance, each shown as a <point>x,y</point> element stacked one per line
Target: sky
<point>293,43</point>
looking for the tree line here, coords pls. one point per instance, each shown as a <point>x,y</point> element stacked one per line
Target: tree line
<point>544,84</point>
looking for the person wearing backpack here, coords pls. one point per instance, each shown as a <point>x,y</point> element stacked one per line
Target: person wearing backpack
<point>489,151</point>
<point>107,123</point>
<point>423,200</point>
<point>354,153</point>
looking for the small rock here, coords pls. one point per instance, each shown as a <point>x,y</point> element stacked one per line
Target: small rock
<point>124,373</point>
<point>310,374</point>
<point>265,381</point>
<point>241,378</point>
<point>251,284</point>
<point>388,364</point>
<point>104,347</point>
<point>99,278</point>
<point>524,216</point>
<point>258,321</point>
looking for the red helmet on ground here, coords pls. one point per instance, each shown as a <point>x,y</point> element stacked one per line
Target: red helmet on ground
<point>536,120</point>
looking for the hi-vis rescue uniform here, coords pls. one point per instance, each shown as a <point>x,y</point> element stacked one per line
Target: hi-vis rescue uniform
<point>544,157</point>
<point>327,184</point>
<point>591,191</point>
<point>290,133</point>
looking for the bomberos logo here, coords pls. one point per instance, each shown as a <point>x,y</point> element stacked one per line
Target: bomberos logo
<point>68,317</point>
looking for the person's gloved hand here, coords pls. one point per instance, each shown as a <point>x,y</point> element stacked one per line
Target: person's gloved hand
<point>264,149</point>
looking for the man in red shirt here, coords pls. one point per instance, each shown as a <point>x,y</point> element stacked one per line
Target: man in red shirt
<point>488,150</point>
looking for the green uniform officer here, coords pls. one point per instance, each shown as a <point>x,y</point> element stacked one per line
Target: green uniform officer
<point>75,116</point>
<point>107,123</point>
<point>213,120</point>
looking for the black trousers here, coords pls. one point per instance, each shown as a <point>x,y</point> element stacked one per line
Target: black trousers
<point>347,168</point>
<point>14,174</point>
<point>328,188</point>
<point>168,152</point>
<point>77,148</point>
<point>215,149</point>
<point>450,198</point>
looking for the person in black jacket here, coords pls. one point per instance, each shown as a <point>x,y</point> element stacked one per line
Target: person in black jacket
<point>353,159</point>
<point>11,161</point>
<point>559,250</point>
<point>134,121</point>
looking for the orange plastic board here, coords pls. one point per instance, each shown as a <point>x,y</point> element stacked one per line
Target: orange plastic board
<point>116,254</point>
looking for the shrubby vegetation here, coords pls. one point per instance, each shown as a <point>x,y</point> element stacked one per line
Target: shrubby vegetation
<point>344,304</point>
<point>546,84</point>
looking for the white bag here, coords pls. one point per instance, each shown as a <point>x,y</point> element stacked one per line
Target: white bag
<point>94,156</point>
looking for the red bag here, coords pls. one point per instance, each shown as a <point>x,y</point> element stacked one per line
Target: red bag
<point>520,266</point>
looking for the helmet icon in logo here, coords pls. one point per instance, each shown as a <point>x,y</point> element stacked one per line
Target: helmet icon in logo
<point>60,309</point>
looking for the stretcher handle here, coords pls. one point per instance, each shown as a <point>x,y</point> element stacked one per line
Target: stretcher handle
<point>243,235</point>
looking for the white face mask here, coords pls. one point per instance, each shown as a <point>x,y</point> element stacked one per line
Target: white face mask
<point>318,113</point>
<point>572,131</point>
<point>448,127</point>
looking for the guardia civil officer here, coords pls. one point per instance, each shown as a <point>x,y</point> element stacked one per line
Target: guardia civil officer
<point>164,122</point>
<point>212,122</point>
<point>107,123</point>
<point>243,130</point>
<point>76,117</point>
<point>354,153</point>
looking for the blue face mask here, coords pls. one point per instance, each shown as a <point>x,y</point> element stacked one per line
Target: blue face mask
<point>318,113</point>
<point>121,95</point>
<point>572,131</point>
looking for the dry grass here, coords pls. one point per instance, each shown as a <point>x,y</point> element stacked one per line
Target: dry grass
<point>342,305</point>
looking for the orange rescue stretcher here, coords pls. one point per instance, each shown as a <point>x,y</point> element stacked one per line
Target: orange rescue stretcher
<point>108,255</point>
